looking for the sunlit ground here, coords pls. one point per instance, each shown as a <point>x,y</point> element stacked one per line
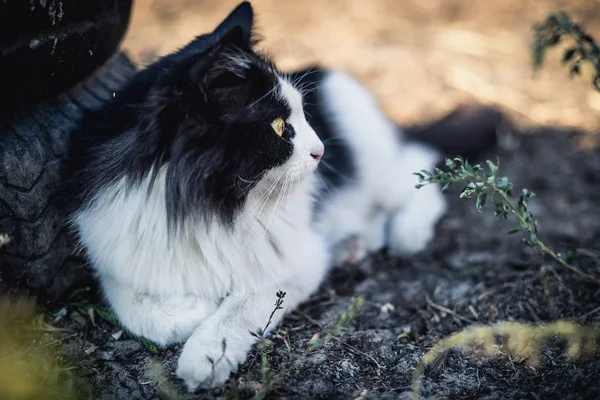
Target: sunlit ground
<point>420,58</point>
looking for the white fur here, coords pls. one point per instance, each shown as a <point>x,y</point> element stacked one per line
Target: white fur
<point>210,284</point>
<point>385,189</point>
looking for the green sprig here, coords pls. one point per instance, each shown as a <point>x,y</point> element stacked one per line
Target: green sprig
<point>549,33</point>
<point>488,186</point>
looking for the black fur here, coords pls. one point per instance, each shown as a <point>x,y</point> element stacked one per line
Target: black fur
<point>201,111</point>
<point>337,166</point>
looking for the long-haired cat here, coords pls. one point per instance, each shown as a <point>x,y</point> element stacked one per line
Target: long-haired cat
<point>212,181</point>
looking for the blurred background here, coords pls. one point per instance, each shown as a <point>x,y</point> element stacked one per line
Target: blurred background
<point>420,57</point>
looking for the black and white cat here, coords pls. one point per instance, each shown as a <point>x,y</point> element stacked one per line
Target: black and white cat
<point>202,189</point>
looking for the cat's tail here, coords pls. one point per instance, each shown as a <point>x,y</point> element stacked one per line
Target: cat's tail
<point>468,131</point>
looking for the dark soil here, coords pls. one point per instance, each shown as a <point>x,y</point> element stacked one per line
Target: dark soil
<point>473,269</point>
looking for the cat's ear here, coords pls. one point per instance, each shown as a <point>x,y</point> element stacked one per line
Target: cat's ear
<point>222,57</point>
<point>225,65</point>
<point>241,19</point>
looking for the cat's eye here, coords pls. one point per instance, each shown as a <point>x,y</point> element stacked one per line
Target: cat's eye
<point>278,125</point>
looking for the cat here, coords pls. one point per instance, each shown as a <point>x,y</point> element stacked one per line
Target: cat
<point>212,181</point>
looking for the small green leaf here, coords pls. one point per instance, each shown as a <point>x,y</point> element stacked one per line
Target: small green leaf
<point>513,231</point>
<point>151,346</point>
<point>467,191</point>
<point>503,184</point>
<point>468,167</point>
<point>534,238</point>
<point>446,186</point>
<point>493,167</point>
<point>92,315</point>
<point>481,201</point>
<point>450,163</point>
<point>528,216</point>
<point>500,210</point>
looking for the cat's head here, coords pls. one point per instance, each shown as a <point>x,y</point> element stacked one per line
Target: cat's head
<point>230,126</point>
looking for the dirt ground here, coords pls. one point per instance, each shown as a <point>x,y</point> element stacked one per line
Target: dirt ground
<point>474,273</point>
<point>421,59</point>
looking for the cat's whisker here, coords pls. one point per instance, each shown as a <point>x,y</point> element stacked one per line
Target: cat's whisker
<point>308,88</point>
<point>264,96</point>
<point>262,202</point>
<point>249,183</point>
<point>329,167</point>
<point>280,195</point>
<point>309,71</point>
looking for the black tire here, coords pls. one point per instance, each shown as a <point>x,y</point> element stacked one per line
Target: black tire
<point>33,144</point>
<point>47,46</point>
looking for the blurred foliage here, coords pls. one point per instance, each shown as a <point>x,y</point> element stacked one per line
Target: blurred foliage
<point>549,34</point>
<point>31,366</point>
<point>523,342</point>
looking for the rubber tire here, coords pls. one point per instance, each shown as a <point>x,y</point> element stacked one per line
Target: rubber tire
<point>47,46</point>
<point>33,144</point>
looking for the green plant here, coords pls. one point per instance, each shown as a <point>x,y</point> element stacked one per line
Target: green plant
<point>342,320</point>
<point>488,186</point>
<point>271,378</point>
<point>265,348</point>
<point>524,342</point>
<point>91,310</point>
<point>548,34</point>
<point>31,365</point>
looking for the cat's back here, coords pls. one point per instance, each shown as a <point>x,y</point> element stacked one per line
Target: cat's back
<point>364,149</point>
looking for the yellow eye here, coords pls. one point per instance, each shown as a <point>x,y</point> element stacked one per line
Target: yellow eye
<point>278,124</point>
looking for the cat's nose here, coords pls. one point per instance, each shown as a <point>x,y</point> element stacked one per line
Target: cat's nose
<point>317,154</point>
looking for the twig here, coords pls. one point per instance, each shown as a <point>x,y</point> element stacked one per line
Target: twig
<point>356,350</point>
<point>594,311</point>
<point>334,337</point>
<point>447,310</point>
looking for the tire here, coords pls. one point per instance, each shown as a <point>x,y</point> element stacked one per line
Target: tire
<point>54,45</point>
<point>33,143</point>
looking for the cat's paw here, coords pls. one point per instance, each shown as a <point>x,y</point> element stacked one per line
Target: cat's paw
<point>408,235</point>
<point>348,251</point>
<point>208,359</point>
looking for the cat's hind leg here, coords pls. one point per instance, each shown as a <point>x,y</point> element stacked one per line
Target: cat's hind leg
<point>412,224</point>
<point>163,320</point>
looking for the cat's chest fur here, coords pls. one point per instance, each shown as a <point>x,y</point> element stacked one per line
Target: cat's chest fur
<point>127,243</point>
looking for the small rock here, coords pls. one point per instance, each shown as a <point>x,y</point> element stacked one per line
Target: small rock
<point>387,308</point>
<point>117,335</point>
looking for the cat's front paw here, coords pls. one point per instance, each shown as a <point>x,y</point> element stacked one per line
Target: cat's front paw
<point>208,359</point>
